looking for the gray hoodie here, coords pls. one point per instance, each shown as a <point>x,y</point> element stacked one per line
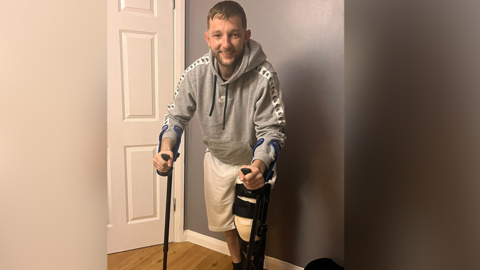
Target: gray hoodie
<point>233,114</point>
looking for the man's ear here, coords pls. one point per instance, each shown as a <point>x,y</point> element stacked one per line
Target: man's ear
<point>248,34</point>
<point>207,38</point>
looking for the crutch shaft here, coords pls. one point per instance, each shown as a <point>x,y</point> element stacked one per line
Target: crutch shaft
<point>167,212</point>
<point>167,221</point>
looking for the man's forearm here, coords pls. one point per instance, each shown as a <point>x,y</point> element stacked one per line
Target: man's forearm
<point>167,144</point>
<point>260,165</point>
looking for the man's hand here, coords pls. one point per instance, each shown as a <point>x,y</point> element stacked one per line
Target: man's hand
<point>253,180</point>
<point>162,165</point>
<point>158,162</point>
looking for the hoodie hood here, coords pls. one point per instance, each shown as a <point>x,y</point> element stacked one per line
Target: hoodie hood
<point>253,56</point>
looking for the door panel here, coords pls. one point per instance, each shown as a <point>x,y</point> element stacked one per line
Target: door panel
<point>139,67</point>
<point>142,189</point>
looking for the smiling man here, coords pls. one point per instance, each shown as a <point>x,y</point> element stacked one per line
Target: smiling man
<point>236,95</point>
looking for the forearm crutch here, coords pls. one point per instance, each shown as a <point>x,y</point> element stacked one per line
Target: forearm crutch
<point>259,228</point>
<point>169,197</point>
<point>256,245</point>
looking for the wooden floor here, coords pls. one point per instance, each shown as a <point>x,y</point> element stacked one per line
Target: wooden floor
<point>181,256</point>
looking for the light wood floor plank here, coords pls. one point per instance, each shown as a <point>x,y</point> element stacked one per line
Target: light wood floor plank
<point>181,256</point>
<point>215,261</point>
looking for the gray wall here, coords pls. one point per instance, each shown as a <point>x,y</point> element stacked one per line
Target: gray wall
<point>304,42</point>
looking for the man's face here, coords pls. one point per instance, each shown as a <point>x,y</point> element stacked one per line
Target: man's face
<point>227,40</point>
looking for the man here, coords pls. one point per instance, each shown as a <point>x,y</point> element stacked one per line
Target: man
<point>236,95</point>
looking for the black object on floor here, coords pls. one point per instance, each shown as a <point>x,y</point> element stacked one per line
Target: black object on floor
<point>323,264</point>
<point>238,266</point>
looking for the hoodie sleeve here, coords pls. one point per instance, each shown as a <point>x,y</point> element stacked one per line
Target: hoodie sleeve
<point>181,110</point>
<point>269,119</point>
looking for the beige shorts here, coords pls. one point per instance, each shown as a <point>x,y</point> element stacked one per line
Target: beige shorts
<point>219,185</point>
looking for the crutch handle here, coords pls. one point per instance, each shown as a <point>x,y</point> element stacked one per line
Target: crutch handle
<point>245,171</point>
<point>248,192</point>
<point>165,157</point>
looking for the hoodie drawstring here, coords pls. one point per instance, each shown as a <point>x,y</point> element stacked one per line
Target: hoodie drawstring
<point>225,108</point>
<point>214,89</point>
<point>213,100</point>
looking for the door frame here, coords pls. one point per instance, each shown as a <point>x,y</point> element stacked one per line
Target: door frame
<point>179,68</point>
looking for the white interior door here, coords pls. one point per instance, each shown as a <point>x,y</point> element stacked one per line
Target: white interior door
<point>140,85</point>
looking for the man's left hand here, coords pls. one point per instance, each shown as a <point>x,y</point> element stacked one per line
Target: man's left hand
<point>253,180</point>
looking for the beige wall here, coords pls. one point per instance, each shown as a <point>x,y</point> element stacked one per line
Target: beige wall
<point>304,41</point>
<point>53,158</point>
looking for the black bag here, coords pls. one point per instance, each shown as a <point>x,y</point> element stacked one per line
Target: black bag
<point>323,264</point>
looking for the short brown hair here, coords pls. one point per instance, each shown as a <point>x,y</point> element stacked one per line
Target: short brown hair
<point>226,10</point>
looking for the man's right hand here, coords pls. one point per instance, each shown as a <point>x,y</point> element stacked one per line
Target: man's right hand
<point>160,164</point>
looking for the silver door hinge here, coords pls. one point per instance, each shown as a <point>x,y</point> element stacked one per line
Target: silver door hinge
<point>174,204</point>
<point>173,4</point>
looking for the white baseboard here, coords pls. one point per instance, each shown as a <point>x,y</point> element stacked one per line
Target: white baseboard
<point>207,241</point>
<point>274,264</point>
<point>221,246</point>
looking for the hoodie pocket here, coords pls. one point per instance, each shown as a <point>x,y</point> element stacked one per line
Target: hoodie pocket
<point>236,153</point>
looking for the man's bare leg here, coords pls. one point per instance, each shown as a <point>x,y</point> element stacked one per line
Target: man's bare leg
<point>233,245</point>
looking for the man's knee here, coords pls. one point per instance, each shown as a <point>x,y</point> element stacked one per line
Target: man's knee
<point>231,233</point>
